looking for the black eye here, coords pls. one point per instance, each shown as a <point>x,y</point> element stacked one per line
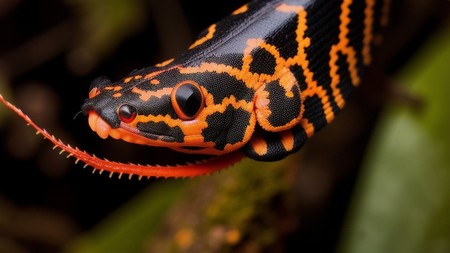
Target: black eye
<point>127,113</point>
<point>187,100</point>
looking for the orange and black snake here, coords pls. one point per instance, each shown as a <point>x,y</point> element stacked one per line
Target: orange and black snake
<point>256,84</point>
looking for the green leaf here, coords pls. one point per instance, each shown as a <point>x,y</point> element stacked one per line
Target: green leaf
<point>402,200</point>
<point>127,228</point>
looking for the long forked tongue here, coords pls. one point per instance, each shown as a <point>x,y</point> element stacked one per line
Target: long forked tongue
<point>187,170</point>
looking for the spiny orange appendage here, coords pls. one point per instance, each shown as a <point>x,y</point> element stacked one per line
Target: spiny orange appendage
<point>177,171</point>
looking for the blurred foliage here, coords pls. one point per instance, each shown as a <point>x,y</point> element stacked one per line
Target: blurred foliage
<point>103,26</point>
<point>402,201</point>
<point>236,208</point>
<point>106,22</point>
<point>127,229</point>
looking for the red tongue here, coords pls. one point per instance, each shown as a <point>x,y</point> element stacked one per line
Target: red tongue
<point>98,125</point>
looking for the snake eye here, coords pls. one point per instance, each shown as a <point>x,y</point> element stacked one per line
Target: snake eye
<point>127,113</point>
<point>187,100</point>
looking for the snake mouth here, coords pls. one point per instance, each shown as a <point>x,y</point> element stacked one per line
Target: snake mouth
<point>196,168</point>
<point>124,132</point>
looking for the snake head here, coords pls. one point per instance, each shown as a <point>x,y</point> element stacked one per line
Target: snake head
<point>169,108</point>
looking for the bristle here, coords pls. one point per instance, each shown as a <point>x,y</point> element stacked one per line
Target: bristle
<point>111,174</point>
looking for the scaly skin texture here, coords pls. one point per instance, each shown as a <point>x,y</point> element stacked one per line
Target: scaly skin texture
<point>256,84</point>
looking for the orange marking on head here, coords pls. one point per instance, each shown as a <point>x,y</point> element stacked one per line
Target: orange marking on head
<point>240,10</point>
<point>127,80</point>
<point>155,73</point>
<point>287,81</point>
<point>237,104</point>
<point>196,126</point>
<point>113,88</point>
<point>138,77</point>
<point>248,78</point>
<point>281,71</point>
<point>146,95</point>
<point>192,130</point>
<point>164,63</point>
<point>154,81</point>
<point>211,107</point>
<point>208,36</point>
<point>93,92</point>
<point>248,58</point>
<point>116,95</point>
<point>260,43</point>
<point>262,101</point>
<point>156,118</point>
